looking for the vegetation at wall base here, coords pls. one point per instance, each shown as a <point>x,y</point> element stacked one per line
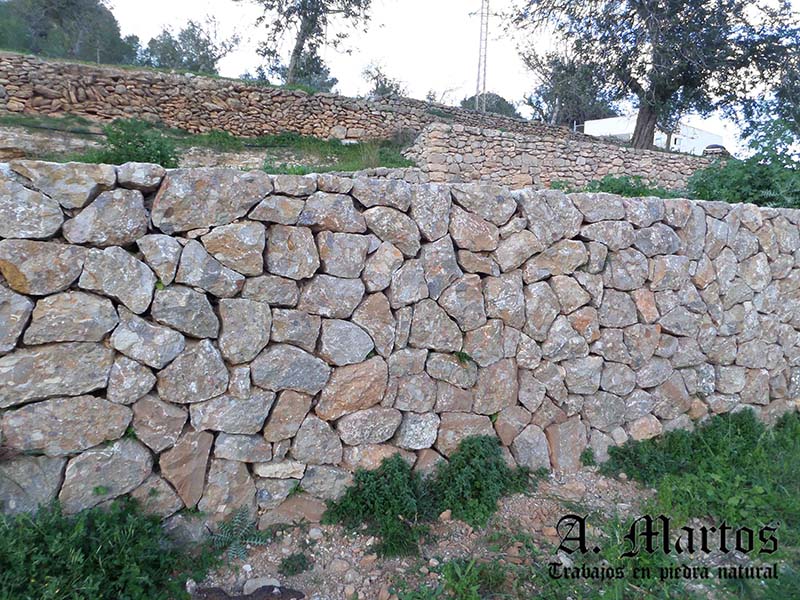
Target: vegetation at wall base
<point>294,564</point>
<point>104,553</point>
<point>396,504</point>
<point>130,140</point>
<point>731,468</point>
<point>237,533</point>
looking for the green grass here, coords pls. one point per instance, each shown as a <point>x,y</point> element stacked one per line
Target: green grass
<point>396,505</point>
<point>100,554</point>
<point>68,123</point>
<point>623,185</point>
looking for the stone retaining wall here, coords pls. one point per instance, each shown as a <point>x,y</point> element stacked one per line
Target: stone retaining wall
<point>212,338</point>
<point>457,153</point>
<point>470,146</point>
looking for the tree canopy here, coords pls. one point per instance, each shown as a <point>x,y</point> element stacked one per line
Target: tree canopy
<point>569,91</point>
<point>311,18</point>
<point>311,72</point>
<point>383,85</point>
<point>495,103</point>
<point>674,56</point>
<point>196,48</point>
<point>78,29</point>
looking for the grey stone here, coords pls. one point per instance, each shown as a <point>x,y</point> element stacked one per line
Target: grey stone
<point>417,431</point>
<point>272,290</point>
<point>71,317</point>
<point>40,268</point>
<point>15,310</point>
<point>505,299</point>
<point>416,393</point>
<point>238,246</point>
<point>516,249</point>
<point>617,235</point>
<point>492,202</point>
<point>28,214</point>
<point>154,345</point>
<point>380,267</point>
<point>186,310</point>
<point>563,342</point>
<point>114,272</point>
<point>571,296</point>
<point>28,482</point>
<point>484,345</point>
<point>449,368</point>
<point>145,177</point>
<point>242,448</point>
<point>625,270</point>
<point>328,483</point>
<point>72,368</point>
<point>431,328</point>
<point>530,449</point>
<point>199,269</point>
<point>562,258</point>
<point>332,212</point>
<point>618,379</point>
<point>280,209</point>
<point>669,272</point>
<point>463,301</point>
<point>430,209</point>
<point>342,254</point>
<point>370,426</point>
<point>583,374</point>
<point>233,415</point>
<point>343,343</point>
<point>115,218</point>
<point>158,424</point>
<point>395,227</point>
<point>62,426</point>
<point>72,184</point>
<point>382,192</point>
<point>408,284</point>
<point>617,310</point>
<point>288,414</point>
<point>295,327</point>
<point>542,308</point>
<point>331,297</point>
<point>551,214</point>
<point>496,388</point>
<point>162,253</point>
<point>198,373</point>
<point>604,411</point>
<point>101,474</point>
<point>246,328</point>
<point>285,367</point>
<point>206,197</point>
<point>129,381</point>
<point>658,239</point>
<point>599,206</point>
<point>294,185</point>
<point>440,265</point>
<point>229,488</point>
<point>316,443</point>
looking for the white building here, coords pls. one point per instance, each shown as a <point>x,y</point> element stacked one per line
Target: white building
<point>687,139</point>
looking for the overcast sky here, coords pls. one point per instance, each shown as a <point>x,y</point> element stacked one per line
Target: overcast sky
<point>428,44</point>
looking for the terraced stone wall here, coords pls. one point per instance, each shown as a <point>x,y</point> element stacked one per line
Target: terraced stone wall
<point>213,338</point>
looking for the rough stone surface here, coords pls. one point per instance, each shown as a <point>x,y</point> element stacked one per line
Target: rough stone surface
<point>285,367</point>
<point>394,227</point>
<point>199,269</point>
<point>104,473</point>
<point>27,214</point>
<point>53,370</point>
<point>158,424</point>
<point>295,327</point>
<point>352,388</point>
<point>186,310</point>
<point>162,253</point>
<point>71,317</point>
<point>245,330</point>
<point>196,198</point>
<point>231,414</point>
<point>115,218</point>
<point>343,343</point>
<point>238,246</point>
<point>73,185</point>
<point>28,482</point>
<point>331,297</point>
<point>114,272</point>
<point>184,465</point>
<point>198,373</point>
<point>40,268</point>
<point>370,426</point>
<point>62,426</point>
<point>154,345</point>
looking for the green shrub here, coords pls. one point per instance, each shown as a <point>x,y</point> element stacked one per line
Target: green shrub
<point>134,141</point>
<point>634,186</point>
<point>730,468</point>
<point>221,141</point>
<point>395,504</point>
<point>474,479</point>
<point>107,553</point>
<point>294,564</point>
<point>391,501</point>
<point>765,181</point>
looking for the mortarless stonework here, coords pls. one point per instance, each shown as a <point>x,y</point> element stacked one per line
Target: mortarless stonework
<point>383,318</point>
<point>454,144</point>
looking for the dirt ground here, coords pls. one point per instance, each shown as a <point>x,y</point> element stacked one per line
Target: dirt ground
<point>345,566</point>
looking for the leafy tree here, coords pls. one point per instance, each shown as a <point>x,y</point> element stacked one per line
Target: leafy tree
<point>80,29</point>
<point>383,86</point>
<point>570,91</point>
<point>196,48</point>
<point>674,56</point>
<point>311,72</point>
<point>495,103</point>
<point>311,18</point>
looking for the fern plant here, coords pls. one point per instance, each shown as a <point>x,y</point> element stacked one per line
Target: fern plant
<point>235,534</point>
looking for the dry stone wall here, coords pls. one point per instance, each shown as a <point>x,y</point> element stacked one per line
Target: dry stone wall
<point>458,153</point>
<point>212,338</point>
<point>468,146</point>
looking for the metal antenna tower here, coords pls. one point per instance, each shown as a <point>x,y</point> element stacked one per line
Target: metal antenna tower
<point>480,90</point>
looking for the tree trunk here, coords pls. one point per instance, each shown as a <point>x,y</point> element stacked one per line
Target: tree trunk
<point>306,26</point>
<point>645,132</point>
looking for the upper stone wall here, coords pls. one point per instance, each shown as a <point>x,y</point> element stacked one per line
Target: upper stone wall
<point>506,151</point>
<point>457,153</point>
<point>212,337</point>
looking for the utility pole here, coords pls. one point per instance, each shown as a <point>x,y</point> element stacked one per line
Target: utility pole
<point>480,90</point>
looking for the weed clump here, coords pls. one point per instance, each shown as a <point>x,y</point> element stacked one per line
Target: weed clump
<point>294,564</point>
<point>102,553</point>
<point>395,504</point>
<point>131,140</point>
